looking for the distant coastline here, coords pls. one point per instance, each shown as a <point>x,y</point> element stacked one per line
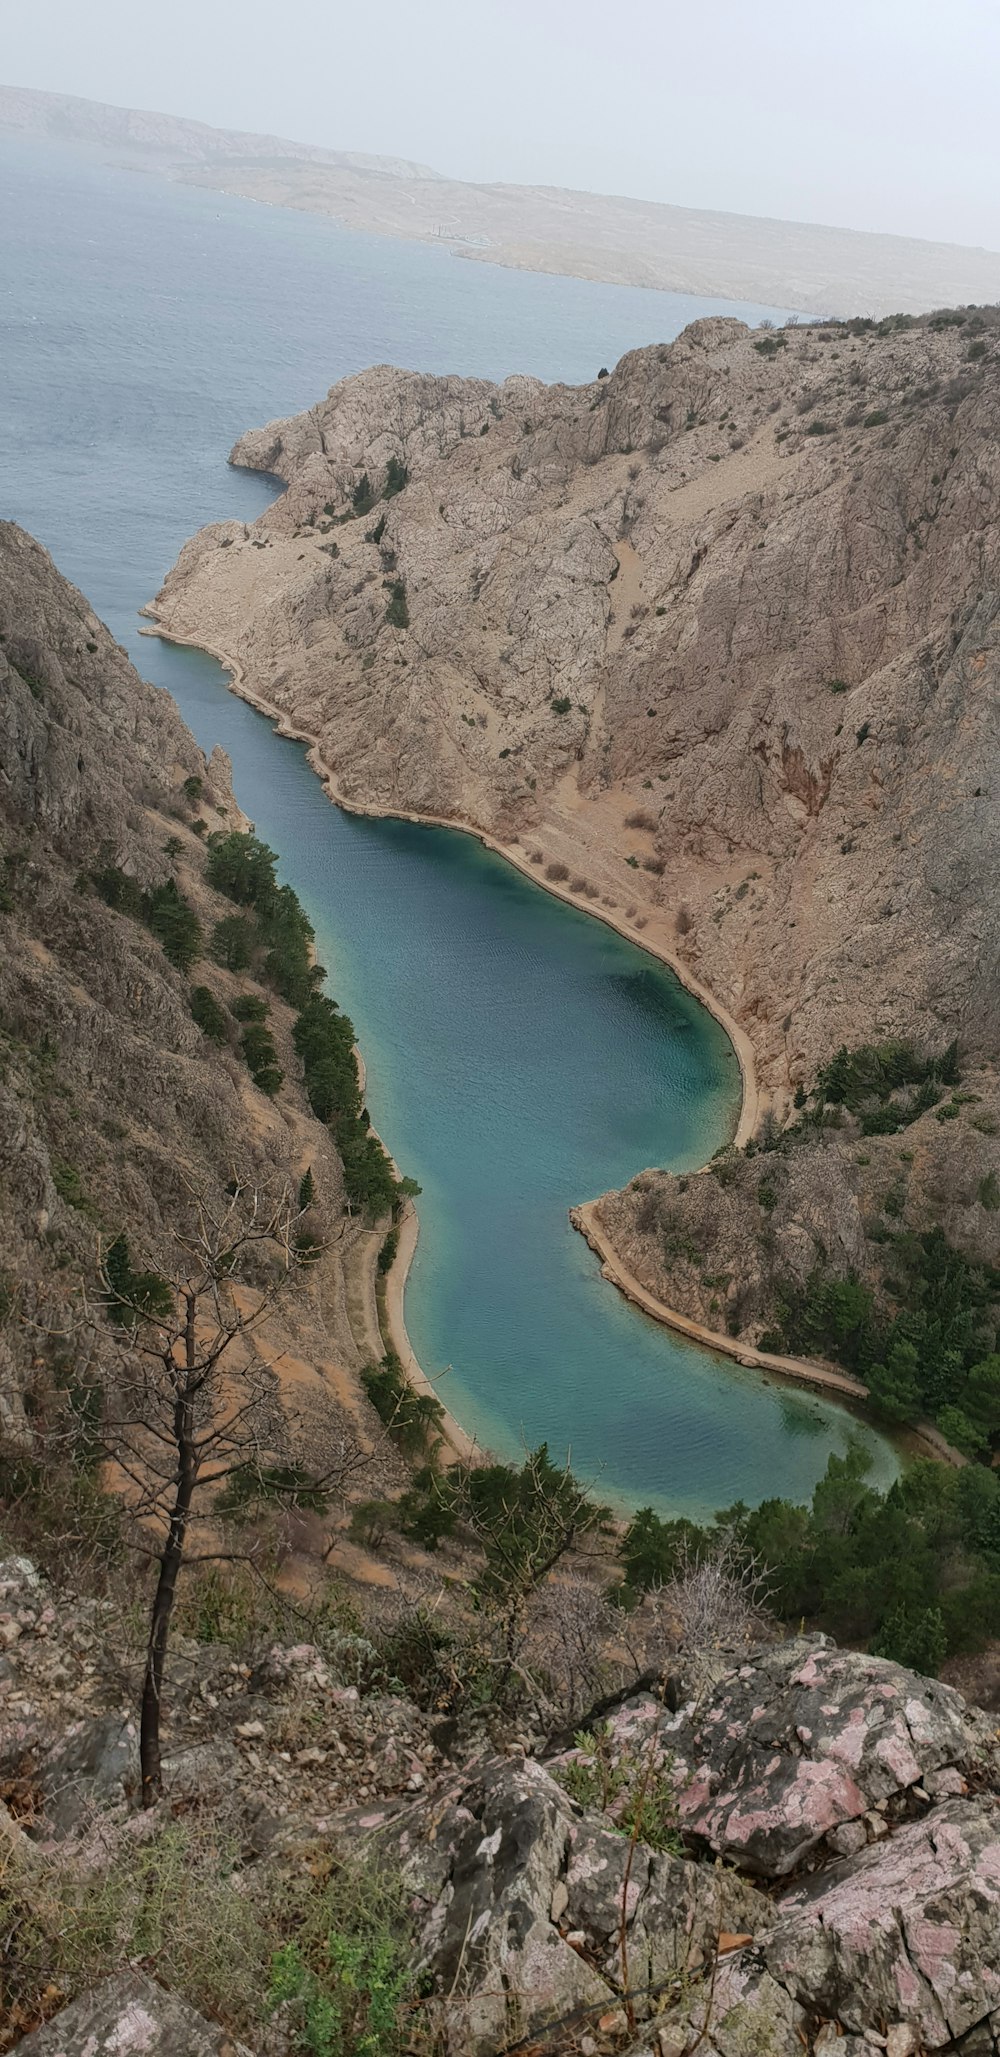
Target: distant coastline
<point>786,266</point>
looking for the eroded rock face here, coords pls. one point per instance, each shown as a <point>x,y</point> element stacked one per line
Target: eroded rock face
<point>115,1107</point>
<point>521,1900</point>
<point>776,629</point>
<point>129,2016</point>
<point>908,1931</point>
<point>807,1738</point>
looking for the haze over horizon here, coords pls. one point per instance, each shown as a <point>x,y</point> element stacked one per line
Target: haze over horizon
<point>874,119</point>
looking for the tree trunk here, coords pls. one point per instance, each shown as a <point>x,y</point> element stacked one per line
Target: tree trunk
<point>171,1559</point>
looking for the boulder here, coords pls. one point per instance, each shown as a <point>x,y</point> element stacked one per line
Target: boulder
<point>909,1931</point>
<point>519,1899</point>
<point>129,2016</point>
<point>805,1738</point>
<point>94,1767</point>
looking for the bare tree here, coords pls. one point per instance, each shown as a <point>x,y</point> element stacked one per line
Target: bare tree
<point>717,1601</point>
<point>195,1401</point>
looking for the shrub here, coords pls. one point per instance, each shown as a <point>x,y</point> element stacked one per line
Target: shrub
<point>324,1039</point>
<point>243,868</point>
<point>877,419</point>
<point>557,870</point>
<point>412,1418</point>
<point>329,1946</point>
<point>397,613</point>
<point>562,705</point>
<point>396,477</point>
<point>250,1007</point>
<point>821,428</point>
<point>193,789</point>
<point>175,924</point>
<point>232,943</point>
<point>387,1254</point>
<point>261,1057</point>
<point>209,1016</point>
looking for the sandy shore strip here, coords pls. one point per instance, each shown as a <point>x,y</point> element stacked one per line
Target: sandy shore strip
<point>801,1371</point>
<point>393,1331</point>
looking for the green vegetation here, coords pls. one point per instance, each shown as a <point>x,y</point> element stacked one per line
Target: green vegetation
<point>324,1039</point>
<point>932,1353</point>
<point>641,1799</point>
<point>562,705</point>
<point>175,924</point>
<point>210,1017</point>
<point>232,943</point>
<point>913,1573</point>
<point>877,419</point>
<point>413,1419</point>
<point>133,1292</point>
<point>165,911</point>
<point>257,1043</point>
<point>865,1079</point>
<point>328,1944</point>
<point>243,868</point>
<point>924,1337</point>
<point>194,787</point>
<point>397,613</point>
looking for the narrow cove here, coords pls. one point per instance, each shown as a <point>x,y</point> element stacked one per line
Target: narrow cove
<point>521,1057</point>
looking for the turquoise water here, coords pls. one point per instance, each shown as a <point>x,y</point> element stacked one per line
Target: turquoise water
<point>521,1056</point>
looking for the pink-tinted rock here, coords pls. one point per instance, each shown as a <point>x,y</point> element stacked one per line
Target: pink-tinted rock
<point>806,1737</point>
<point>909,1931</point>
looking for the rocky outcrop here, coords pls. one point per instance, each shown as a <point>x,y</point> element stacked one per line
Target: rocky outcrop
<point>129,2016</point>
<point>810,1749</point>
<point>810,1848</point>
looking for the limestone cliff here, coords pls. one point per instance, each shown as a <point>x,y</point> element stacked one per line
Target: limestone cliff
<point>115,1107</point>
<point>713,644</point>
<point>718,632</point>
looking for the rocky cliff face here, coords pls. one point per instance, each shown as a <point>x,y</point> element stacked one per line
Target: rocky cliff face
<point>115,1108</point>
<point>718,632</point>
<point>713,644</point>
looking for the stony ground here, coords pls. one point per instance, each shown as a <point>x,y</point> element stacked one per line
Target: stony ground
<point>806,1851</point>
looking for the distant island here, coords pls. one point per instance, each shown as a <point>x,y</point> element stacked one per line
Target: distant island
<point>535,228</point>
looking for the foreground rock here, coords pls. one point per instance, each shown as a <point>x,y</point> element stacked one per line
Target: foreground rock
<point>129,2016</point>
<point>808,1743</point>
<point>805,1853</point>
<point>529,1910</point>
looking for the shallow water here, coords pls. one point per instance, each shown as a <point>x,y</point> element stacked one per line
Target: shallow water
<point>521,1056</point>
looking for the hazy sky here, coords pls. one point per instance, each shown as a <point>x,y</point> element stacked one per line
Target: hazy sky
<point>878,114</point>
